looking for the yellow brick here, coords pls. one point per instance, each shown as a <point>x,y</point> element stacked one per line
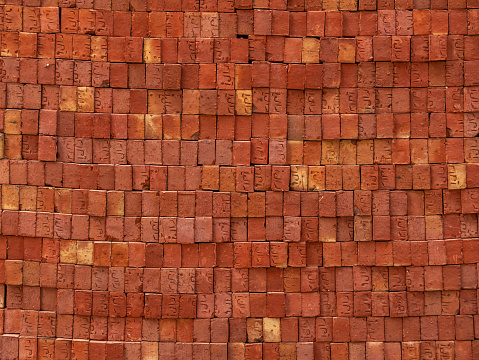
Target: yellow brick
<point>68,251</point>
<point>152,50</point>
<point>351,5</point>
<point>86,99</point>
<point>149,350</point>
<point>330,5</point>
<point>299,178</point>
<point>244,102</point>
<point>271,330</point>
<point>10,197</point>
<point>310,53</point>
<point>99,48</point>
<point>456,176</point>
<point>347,51</point>
<point>13,122</point>
<point>68,98</point>
<point>85,252</point>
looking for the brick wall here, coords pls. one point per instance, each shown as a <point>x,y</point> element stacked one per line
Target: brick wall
<point>220,179</point>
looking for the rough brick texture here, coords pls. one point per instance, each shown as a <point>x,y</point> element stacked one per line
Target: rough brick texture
<point>239,179</point>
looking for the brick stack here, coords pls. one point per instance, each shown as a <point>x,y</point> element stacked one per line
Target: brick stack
<point>219,179</point>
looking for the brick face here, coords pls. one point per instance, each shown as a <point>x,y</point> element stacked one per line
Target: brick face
<point>244,179</point>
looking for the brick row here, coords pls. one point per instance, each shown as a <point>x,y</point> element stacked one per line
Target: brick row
<point>84,349</point>
<point>242,255</point>
<point>258,127</point>
<point>229,103</point>
<point>435,127</point>
<point>345,280</point>
<point>204,280</point>
<point>258,151</point>
<point>360,304</point>
<point>221,230</point>
<point>230,6</point>
<point>258,22</point>
<point>290,50</point>
<point>236,330</point>
<point>242,179</point>
<point>190,204</point>
<point>111,350</point>
<point>259,75</point>
<point>225,205</point>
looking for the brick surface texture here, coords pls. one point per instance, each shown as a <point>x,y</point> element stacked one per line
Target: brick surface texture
<point>239,179</point>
